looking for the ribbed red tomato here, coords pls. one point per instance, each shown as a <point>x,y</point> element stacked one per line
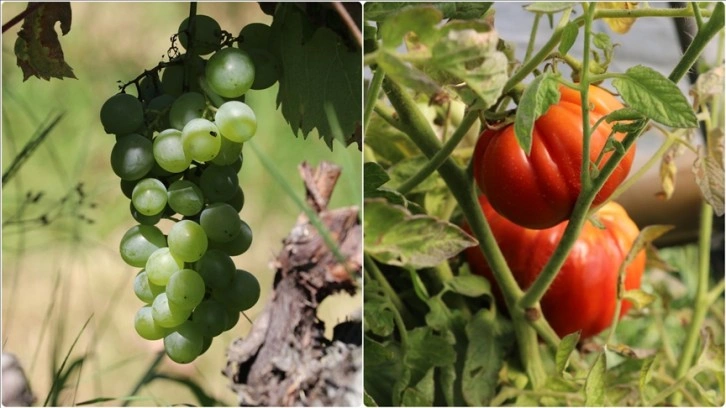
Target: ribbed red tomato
<point>540,190</point>
<point>583,295</point>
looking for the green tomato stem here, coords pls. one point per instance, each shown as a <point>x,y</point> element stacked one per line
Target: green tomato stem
<point>373,90</point>
<point>585,176</point>
<point>419,130</point>
<point>532,36</point>
<point>440,156</point>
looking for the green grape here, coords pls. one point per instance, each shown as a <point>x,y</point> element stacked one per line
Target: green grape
<point>207,34</point>
<point>132,157</point>
<point>185,289</point>
<point>139,242</point>
<point>186,107</point>
<point>187,241</point>
<point>229,152</point>
<point>242,294</point>
<point>127,187</point>
<point>144,219</point>
<point>146,326</point>
<point>211,316</point>
<point>236,121</point>
<point>185,343</point>
<point>237,165</point>
<point>238,245</point>
<point>218,183</point>
<point>149,87</point>
<point>206,343</point>
<point>149,196</point>
<point>167,314</point>
<point>122,114</point>
<point>158,172</point>
<point>238,200</point>
<point>201,140</point>
<point>221,222</point>
<point>169,151</point>
<point>216,268</point>
<point>185,197</point>
<point>230,72</point>
<point>161,265</point>
<point>173,77</point>
<point>232,318</point>
<point>254,35</point>
<point>145,290</point>
<point>157,112</point>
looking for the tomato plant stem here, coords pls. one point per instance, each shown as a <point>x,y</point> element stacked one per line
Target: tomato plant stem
<point>440,156</point>
<point>585,173</point>
<point>701,303</point>
<point>532,36</point>
<point>419,130</point>
<point>372,97</point>
<point>699,43</point>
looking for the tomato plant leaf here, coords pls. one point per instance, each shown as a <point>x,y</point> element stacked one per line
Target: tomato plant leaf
<point>484,359</point>
<point>389,144</point>
<point>463,10</point>
<point>712,355</point>
<point>595,383</point>
<point>541,93</point>
<point>548,7</point>
<point>623,114</point>
<point>472,56</point>
<point>37,47</point>
<point>564,351</point>
<point>437,318</point>
<point>418,286</point>
<point>308,84</point>
<point>396,237</point>
<point>709,170</point>
<point>421,395</point>
<point>469,285</point>
<point>382,367</point>
<point>375,177</point>
<point>407,168</point>
<point>378,312</point>
<point>569,36</point>
<point>406,74</point>
<point>652,94</point>
<point>620,25</point>
<point>421,20</point>
<point>638,298</point>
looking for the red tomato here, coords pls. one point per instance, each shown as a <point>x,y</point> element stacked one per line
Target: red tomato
<point>583,295</point>
<point>540,190</point>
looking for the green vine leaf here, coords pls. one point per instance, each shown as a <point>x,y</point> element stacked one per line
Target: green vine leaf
<point>37,48</point>
<point>536,100</point>
<point>652,94</point>
<point>320,81</point>
<point>396,237</point>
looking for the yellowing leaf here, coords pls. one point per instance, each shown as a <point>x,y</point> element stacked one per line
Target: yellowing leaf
<point>620,25</point>
<point>37,47</point>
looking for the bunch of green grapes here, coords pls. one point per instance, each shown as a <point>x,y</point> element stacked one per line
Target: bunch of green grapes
<point>178,152</point>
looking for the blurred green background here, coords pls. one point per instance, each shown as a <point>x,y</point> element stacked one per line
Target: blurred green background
<point>55,276</point>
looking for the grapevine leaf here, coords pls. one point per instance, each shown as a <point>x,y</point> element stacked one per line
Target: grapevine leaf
<point>37,48</point>
<point>595,383</point>
<point>421,20</point>
<point>396,237</point>
<point>620,25</point>
<point>565,349</point>
<point>484,359</point>
<point>382,367</point>
<point>406,74</point>
<point>470,285</point>
<point>709,171</point>
<point>536,100</point>
<point>320,77</point>
<point>569,35</point>
<point>652,94</point>
<point>548,7</point>
<point>472,56</point>
<point>368,401</point>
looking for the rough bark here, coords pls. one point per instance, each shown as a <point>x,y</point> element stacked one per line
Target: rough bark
<point>285,360</point>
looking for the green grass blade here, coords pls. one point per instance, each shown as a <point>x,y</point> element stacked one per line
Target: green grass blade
<point>96,401</point>
<point>56,377</point>
<point>30,147</point>
<point>205,400</point>
<point>148,376</point>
